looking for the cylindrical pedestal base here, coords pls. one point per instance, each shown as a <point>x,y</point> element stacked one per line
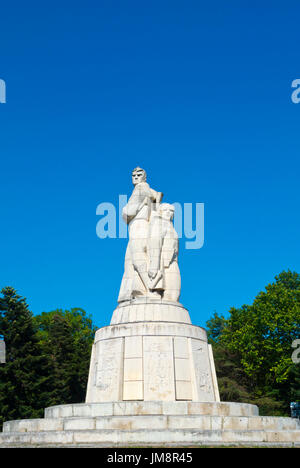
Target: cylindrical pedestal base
<point>152,360</point>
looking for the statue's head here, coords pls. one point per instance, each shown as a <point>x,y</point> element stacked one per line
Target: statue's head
<point>166,211</point>
<point>138,175</point>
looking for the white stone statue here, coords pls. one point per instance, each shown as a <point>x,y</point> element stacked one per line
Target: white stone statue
<point>163,247</point>
<point>151,267</point>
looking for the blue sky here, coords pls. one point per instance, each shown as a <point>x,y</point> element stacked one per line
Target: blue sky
<point>198,93</point>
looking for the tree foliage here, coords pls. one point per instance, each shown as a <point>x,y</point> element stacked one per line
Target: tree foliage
<point>253,346</point>
<point>66,337</point>
<point>25,376</point>
<point>47,357</point>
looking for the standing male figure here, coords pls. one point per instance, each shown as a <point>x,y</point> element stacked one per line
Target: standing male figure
<point>137,214</point>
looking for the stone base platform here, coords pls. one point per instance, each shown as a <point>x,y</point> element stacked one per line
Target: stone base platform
<point>151,352</point>
<point>151,424</point>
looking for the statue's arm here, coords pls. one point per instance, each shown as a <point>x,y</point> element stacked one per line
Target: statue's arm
<point>155,243</point>
<point>171,254</point>
<point>133,206</point>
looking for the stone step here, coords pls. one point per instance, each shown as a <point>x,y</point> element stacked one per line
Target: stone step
<point>153,438</point>
<point>132,408</point>
<point>150,422</point>
<point>141,310</point>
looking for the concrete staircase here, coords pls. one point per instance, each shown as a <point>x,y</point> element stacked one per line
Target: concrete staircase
<point>152,424</point>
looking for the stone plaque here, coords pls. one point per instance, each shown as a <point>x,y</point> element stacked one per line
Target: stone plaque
<point>202,380</point>
<point>109,355</point>
<point>159,382</point>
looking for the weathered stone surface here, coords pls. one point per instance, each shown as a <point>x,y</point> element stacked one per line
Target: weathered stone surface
<point>137,408</point>
<point>155,438</point>
<point>106,371</point>
<point>150,328</point>
<point>151,423</point>
<point>146,310</point>
<point>135,422</point>
<point>155,360</point>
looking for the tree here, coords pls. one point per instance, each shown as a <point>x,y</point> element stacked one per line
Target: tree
<point>253,346</point>
<point>66,336</point>
<point>47,357</point>
<point>215,327</point>
<point>24,377</point>
<point>295,383</point>
<point>263,333</point>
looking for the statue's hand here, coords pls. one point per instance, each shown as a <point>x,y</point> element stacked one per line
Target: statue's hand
<point>144,202</point>
<point>152,273</point>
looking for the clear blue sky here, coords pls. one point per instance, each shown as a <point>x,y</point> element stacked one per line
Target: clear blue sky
<point>198,93</point>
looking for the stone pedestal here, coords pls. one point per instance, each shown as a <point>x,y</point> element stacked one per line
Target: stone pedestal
<point>151,424</point>
<point>152,383</point>
<point>151,352</point>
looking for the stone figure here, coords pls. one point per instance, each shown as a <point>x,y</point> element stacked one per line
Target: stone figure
<point>163,247</point>
<point>151,267</point>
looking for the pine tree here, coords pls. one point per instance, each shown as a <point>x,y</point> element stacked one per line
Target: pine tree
<point>61,351</point>
<point>24,377</point>
<point>66,336</point>
<point>295,383</point>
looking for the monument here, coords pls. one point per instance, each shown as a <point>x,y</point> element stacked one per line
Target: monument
<point>151,351</point>
<point>152,380</point>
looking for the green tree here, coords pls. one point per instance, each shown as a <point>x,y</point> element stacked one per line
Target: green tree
<point>295,382</point>
<point>253,347</point>
<point>25,376</point>
<point>263,333</point>
<point>66,336</point>
<point>215,327</point>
